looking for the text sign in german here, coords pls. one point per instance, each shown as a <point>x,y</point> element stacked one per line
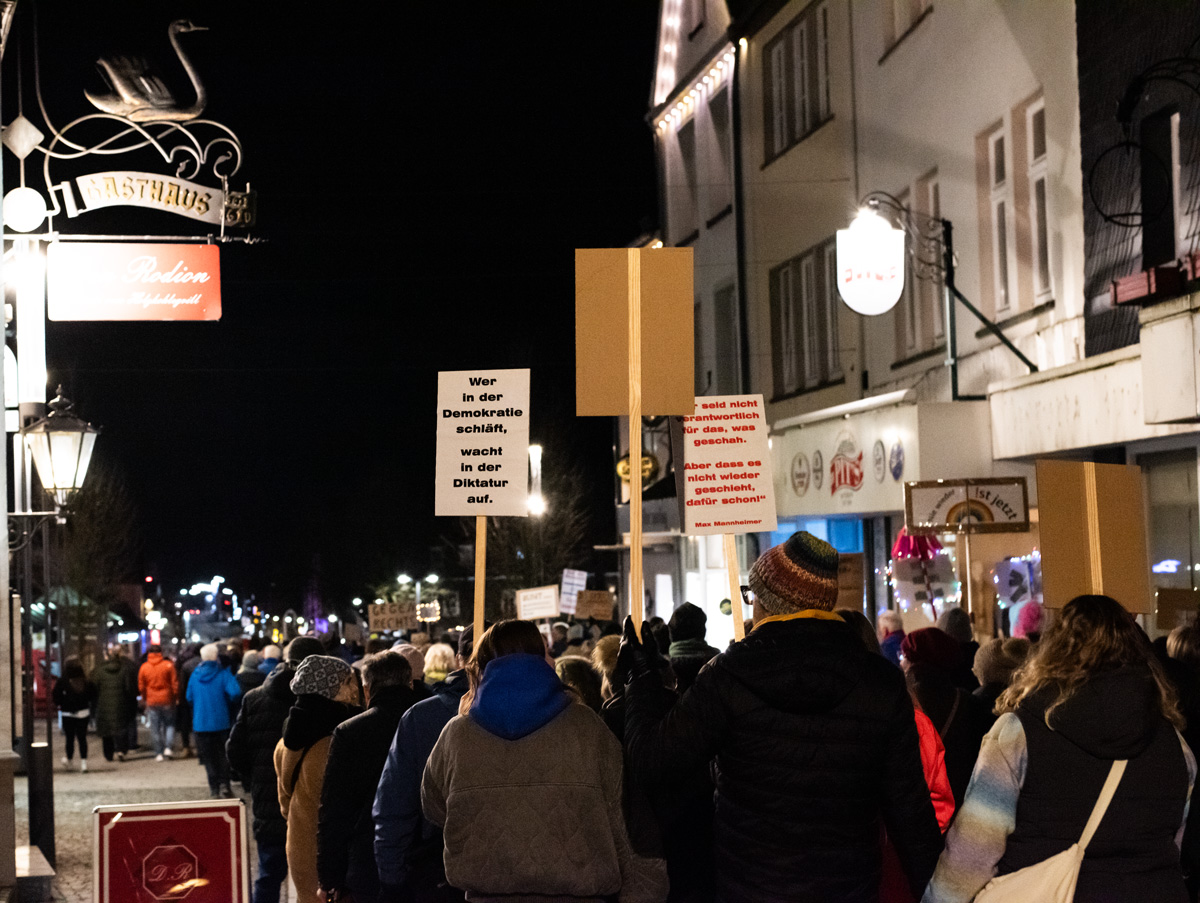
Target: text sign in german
<point>121,281</point>
<point>539,602</point>
<point>194,851</point>
<point>482,443</point>
<point>993,505</point>
<point>149,190</point>
<point>383,616</point>
<point>725,480</point>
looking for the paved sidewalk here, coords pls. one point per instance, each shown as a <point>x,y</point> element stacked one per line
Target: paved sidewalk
<point>139,779</point>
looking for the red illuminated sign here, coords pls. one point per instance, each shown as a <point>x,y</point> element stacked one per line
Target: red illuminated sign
<point>194,851</point>
<point>127,281</point>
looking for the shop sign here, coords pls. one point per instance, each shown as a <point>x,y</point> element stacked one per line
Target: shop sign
<point>991,505</point>
<point>846,465</point>
<point>725,482</point>
<point>153,191</point>
<point>801,475</point>
<point>132,281</point>
<point>870,264</point>
<point>194,851</point>
<point>385,616</point>
<point>539,602</point>
<point>878,460</point>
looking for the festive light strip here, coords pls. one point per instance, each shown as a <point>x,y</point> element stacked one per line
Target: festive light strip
<point>707,84</point>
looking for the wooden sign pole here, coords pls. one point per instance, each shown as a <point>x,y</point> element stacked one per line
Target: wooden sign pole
<point>480,573</point>
<point>735,586</point>
<point>636,594</point>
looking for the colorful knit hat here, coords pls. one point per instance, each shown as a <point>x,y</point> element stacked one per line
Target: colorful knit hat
<point>798,574</point>
<point>320,674</point>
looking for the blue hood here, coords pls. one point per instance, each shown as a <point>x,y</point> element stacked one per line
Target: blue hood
<point>519,693</point>
<point>207,671</point>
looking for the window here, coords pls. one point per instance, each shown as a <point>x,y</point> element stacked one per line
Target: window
<point>720,179</point>
<point>998,170</point>
<point>683,186</point>
<point>804,304</point>
<point>899,16</point>
<point>1160,188</point>
<point>700,373</point>
<point>728,339</point>
<point>691,17</point>
<point>796,93</point>
<point>1042,288</point>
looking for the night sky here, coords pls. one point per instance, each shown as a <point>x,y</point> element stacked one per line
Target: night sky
<point>423,178</point>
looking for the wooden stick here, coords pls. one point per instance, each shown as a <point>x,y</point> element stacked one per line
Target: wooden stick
<point>480,572</point>
<point>636,594</point>
<point>735,586</point>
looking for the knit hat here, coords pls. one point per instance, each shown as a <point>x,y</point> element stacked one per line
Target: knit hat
<point>250,661</point>
<point>209,653</point>
<point>302,647</point>
<point>320,674</point>
<point>933,647</point>
<point>575,632</point>
<point>797,574</point>
<point>414,656</point>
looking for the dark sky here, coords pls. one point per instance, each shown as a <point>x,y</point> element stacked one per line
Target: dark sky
<point>423,179</point>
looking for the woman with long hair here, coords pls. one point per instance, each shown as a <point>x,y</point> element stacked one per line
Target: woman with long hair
<point>1091,694</point>
<point>522,763</point>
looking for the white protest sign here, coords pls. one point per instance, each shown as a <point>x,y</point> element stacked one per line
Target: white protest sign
<point>572,582</point>
<point>727,478</point>
<point>482,443</point>
<point>539,602</point>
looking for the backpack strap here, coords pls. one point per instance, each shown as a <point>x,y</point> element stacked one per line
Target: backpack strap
<point>958,695</point>
<point>296,770</point>
<point>1106,795</point>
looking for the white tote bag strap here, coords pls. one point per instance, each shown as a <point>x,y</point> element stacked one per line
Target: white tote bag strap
<point>1106,795</point>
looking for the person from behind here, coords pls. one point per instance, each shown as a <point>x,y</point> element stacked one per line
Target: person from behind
<point>1091,695</point>
<point>248,676</point>
<point>75,697</point>
<point>269,659</point>
<point>439,661</point>
<point>159,689</point>
<point>578,676</point>
<point>211,690</point>
<point>889,629</point>
<point>956,624</point>
<point>114,685</point>
<point>776,699</point>
<point>995,663</point>
<point>604,660</point>
<point>251,751</point>
<point>325,690</point>
<point>496,777</point>
<point>862,624</point>
<point>662,634</point>
<point>408,847</point>
<point>688,650</point>
<point>558,638</point>
<point>358,750</point>
<point>1030,621</point>
<point>416,661</point>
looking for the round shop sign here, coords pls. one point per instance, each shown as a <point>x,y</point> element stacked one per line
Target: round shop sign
<point>878,460</point>
<point>896,461</point>
<point>800,474</point>
<point>818,470</point>
<point>870,264</point>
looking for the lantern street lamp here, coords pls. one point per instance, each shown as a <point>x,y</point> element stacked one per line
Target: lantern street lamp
<point>61,445</point>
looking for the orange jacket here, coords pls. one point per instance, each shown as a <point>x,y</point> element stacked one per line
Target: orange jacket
<point>157,682</point>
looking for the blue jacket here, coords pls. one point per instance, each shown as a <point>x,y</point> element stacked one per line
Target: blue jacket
<point>400,828</point>
<point>210,691</point>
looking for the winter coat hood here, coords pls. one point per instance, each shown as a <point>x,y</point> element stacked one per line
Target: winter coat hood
<point>313,717</point>
<point>154,658</point>
<point>800,666</point>
<point>208,671</point>
<point>1112,716</point>
<point>519,693</point>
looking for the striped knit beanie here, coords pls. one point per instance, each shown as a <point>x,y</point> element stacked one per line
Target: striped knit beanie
<point>798,574</point>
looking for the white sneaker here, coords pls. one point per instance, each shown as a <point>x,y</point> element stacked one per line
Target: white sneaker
<point>120,757</point>
<point>83,767</point>
<point>66,762</point>
<point>158,758</point>
<point>167,752</point>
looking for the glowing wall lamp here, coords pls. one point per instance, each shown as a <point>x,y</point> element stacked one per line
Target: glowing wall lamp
<point>61,445</point>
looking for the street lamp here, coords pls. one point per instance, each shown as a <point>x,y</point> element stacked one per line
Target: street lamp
<point>537,502</point>
<point>61,445</point>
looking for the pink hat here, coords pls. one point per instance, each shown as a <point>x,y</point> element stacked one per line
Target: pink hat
<point>1029,620</point>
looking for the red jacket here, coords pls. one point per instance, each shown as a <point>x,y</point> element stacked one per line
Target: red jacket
<point>157,682</point>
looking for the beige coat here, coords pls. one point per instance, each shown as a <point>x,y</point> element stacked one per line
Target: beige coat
<point>539,817</point>
<point>300,809</point>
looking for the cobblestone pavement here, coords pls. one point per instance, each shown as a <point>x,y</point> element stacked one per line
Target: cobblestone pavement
<point>139,779</point>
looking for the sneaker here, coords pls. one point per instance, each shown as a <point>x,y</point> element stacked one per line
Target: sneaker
<point>227,792</point>
<point>120,757</point>
<point>66,762</point>
<point>167,752</point>
<point>158,758</point>
<point>83,767</point>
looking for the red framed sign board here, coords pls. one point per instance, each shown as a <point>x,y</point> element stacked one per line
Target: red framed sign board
<point>194,851</point>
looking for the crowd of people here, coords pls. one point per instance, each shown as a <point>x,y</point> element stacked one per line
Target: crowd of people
<point>822,758</point>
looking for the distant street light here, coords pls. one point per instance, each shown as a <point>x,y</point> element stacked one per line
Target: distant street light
<point>61,445</point>
<point>537,502</point>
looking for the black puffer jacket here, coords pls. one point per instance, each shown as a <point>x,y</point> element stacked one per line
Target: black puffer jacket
<point>251,747</point>
<point>815,745</point>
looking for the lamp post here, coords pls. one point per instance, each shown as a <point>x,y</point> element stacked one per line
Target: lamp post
<point>431,580</point>
<point>61,445</point>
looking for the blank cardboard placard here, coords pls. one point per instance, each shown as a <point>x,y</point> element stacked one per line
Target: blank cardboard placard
<point>602,324</point>
<point>1093,533</point>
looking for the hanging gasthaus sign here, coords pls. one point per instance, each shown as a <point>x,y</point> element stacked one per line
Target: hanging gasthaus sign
<point>870,264</point>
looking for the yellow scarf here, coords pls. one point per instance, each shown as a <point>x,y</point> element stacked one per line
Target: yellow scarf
<point>804,613</point>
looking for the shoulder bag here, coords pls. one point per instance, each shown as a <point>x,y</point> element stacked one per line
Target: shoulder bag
<point>1053,880</point>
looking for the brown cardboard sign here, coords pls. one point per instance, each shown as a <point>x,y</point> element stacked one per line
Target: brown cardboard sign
<point>602,305</point>
<point>1093,533</point>
<point>594,603</point>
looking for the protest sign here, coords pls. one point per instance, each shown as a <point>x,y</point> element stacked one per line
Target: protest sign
<point>572,582</point>
<point>539,602</point>
<point>594,603</point>
<point>392,616</point>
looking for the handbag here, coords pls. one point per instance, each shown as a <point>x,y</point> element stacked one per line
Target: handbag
<point>1053,880</point>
